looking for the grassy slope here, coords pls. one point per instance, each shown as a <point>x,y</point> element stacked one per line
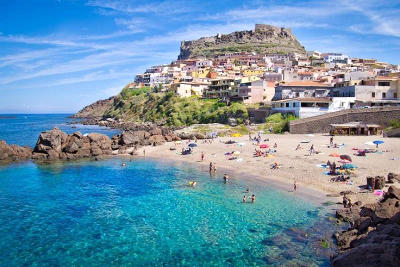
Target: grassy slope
<point>140,105</point>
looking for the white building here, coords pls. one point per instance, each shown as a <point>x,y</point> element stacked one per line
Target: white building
<point>337,58</point>
<point>313,106</point>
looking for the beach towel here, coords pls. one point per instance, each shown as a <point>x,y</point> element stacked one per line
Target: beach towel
<point>378,193</point>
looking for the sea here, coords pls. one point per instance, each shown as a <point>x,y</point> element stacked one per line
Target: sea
<point>144,213</point>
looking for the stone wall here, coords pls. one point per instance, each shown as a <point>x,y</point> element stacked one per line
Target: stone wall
<point>321,123</point>
<point>258,115</point>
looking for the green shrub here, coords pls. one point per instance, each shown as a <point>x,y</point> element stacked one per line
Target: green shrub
<point>278,122</point>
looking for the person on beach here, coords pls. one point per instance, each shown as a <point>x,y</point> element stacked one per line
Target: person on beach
<point>244,199</point>
<point>226,177</point>
<point>294,186</point>
<point>345,201</point>
<point>298,147</point>
<point>311,149</point>
<point>211,167</point>
<point>202,156</point>
<point>215,167</point>
<point>331,141</point>
<point>275,145</point>
<point>144,152</point>
<point>253,198</point>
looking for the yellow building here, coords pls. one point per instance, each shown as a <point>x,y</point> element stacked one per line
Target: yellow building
<point>252,72</point>
<point>201,73</point>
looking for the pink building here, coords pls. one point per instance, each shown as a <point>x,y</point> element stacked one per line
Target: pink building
<point>252,92</point>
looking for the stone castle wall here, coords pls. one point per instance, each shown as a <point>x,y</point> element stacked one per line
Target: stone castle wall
<point>321,124</point>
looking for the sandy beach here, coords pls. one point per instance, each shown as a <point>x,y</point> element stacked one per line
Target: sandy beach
<point>295,165</point>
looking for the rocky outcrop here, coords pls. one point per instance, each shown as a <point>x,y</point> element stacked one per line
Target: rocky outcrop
<point>374,235</point>
<point>143,135</point>
<point>14,152</point>
<point>264,39</point>
<point>96,110</point>
<point>55,144</point>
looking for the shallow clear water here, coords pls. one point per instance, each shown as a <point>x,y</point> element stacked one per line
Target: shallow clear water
<point>144,214</point>
<point>24,129</point>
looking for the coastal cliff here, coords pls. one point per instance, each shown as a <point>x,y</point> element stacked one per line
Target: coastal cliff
<point>374,235</point>
<point>264,39</point>
<point>95,110</point>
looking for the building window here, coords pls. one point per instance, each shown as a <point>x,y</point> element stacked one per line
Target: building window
<point>287,105</point>
<point>373,94</point>
<point>394,95</point>
<point>383,83</point>
<point>383,95</point>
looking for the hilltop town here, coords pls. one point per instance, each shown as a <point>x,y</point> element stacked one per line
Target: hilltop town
<point>302,83</point>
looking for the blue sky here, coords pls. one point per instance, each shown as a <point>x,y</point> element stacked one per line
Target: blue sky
<point>60,55</point>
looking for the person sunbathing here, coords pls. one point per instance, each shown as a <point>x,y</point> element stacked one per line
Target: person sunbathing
<point>275,166</point>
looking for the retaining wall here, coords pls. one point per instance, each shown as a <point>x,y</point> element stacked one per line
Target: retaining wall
<point>321,123</point>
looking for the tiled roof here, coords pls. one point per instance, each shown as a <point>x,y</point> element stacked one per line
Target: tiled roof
<point>305,83</point>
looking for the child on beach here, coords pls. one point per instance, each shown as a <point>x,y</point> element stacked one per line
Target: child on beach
<point>294,186</point>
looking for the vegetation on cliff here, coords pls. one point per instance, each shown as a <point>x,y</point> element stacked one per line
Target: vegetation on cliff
<point>278,122</point>
<point>140,105</point>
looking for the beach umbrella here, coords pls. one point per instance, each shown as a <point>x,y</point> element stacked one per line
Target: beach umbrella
<point>345,157</point>
<point>236,135</point>
<point>192,145</point>
<point>334,155</point>
<point>236,153</point>
<point>378,142</point>
<point>264,146</point>
<point>349,166</point>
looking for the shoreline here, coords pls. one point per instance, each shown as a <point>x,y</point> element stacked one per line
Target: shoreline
<point>312,195</point>
<point>297,165</point>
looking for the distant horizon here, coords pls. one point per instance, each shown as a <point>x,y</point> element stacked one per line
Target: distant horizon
<point>59,55</point>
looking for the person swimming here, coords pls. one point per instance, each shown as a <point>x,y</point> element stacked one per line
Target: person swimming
<point>244,199</point>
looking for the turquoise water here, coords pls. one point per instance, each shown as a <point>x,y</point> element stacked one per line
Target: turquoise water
<point>102,214</point>
<point>24,129</point>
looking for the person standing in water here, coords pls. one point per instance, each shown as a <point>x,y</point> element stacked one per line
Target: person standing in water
<point>211,167</point>
<point>244,199</point>
<point>294,186</point>
<point>226,177</point>
<point>144,152</point>
<point>202,156</point>
<point>253,198</point>
<point>215,167</point>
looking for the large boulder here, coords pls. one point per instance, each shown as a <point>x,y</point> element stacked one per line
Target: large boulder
<point>100,141</point>
<point>156,140</point>
<point>55,144</point>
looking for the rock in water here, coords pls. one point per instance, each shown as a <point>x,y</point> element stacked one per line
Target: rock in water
<point>55,144</point>
<point>14,152</point>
